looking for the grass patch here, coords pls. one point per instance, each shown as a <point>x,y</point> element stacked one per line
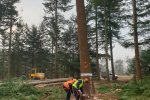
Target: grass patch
<point>136,91</point>
<point>18,90</point>
<point>129,91</point>
<point>54,93</point>
<point>104,89</point>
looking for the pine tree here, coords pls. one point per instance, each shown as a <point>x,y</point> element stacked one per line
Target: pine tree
<point>35,49</point>
<point>83,44</point>
<point>7,21</point>
<point>54,22</point>
<point>139,28</point>
<point>113,23</point>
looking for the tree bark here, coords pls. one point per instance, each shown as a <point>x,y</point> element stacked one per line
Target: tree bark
<point>106,43</point>
<point>97,58</point>
<point>137,58</point>
<point>83,46</point>
<point>56,39</point>
<point>111,48</point>
<point>9,49</point>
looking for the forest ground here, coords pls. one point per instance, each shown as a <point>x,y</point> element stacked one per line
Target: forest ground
<point>107,96</point>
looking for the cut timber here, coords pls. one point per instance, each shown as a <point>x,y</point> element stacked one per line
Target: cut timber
<point>47,81</point>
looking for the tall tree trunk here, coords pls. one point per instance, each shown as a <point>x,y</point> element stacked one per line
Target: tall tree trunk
<point>137,58</point>
<point>33,57</point>
<point>52,75</point>
<point>85,67</point>
<point>3,58</point>
<point>17,68</point>
<point>56,39</point>
<point>106,43</point>
<point>111,48</point>
<point>9,49</point>
<point>97,57</point>
<point>111,58</point>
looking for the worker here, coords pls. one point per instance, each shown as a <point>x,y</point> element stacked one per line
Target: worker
<point>77,87</point>
<point>68,88</point>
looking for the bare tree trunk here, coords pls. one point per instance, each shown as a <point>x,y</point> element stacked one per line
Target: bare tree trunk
<point>137,58</point>
<point>106,44</point>
<point>56,39</point>
<point>85,67</point>
<point>3,58</point>
<point>97,58</point>
<point>52,60</point>
<point>33,63</point>
<point>112,60</point>
<point>111,49</point>
<point>9,49</point>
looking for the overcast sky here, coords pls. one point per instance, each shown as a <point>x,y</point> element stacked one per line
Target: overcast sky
<point>32,13</point>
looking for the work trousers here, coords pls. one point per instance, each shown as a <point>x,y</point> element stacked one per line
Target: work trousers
<point>68,94</point>
<point>76,93</point>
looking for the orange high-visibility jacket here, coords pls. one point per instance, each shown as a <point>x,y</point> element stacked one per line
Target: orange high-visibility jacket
<point>68,83</point>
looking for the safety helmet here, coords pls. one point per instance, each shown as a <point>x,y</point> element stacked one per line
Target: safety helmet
<point>74,80</point>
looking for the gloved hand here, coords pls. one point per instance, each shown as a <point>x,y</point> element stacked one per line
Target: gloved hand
<point>79,91</point>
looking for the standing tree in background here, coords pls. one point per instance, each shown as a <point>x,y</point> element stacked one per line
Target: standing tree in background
<point>135,33</point>
<point>138,10</point>
<point>37,55</point>
<point>70,48</point>
<point>143,22</point>
<point>83,44</point>
<point>113,24</point>
<point>8,20</point>
<point>106,40</point>
<point>119,67</point>
<point>18,49</point>
<point>54,20</point>
<point>3,39</point>
<point>92,16</point>
<point>97,58</point>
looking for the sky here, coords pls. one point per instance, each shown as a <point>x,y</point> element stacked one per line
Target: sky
<point>32,12</point>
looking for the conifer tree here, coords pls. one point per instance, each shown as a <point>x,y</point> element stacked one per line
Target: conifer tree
<point>54,20</point>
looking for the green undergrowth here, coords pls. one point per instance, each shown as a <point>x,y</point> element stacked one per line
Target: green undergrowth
<point>16,89</point>
<point>54,93</point>
<point>139,90</point>
<point>104,89</point>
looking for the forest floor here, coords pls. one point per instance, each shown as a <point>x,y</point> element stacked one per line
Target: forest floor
<point>107,96</point>
<point>103,96</point>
